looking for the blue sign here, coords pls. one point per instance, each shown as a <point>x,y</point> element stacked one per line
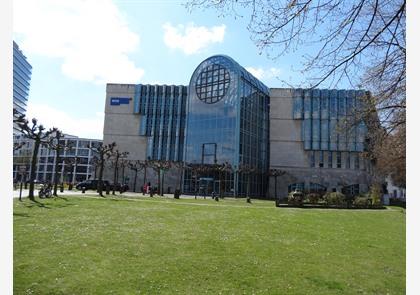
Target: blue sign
<point>116,101</point>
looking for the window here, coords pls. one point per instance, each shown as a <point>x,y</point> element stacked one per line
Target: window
<point>356,161</point>
<point>348,160</point>
<point>338,159</point>
<point>300,186</point>
<point>317,188</point>
<point>321,159</point>
<point>312,159</point>
<point>351,190</point>
<point>83,152</point>
<point>330,159</point>
<point>212,83</point>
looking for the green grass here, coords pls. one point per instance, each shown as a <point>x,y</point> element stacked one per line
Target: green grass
<point>166,246</point>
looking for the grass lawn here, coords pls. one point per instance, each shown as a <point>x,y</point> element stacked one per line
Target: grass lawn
<point>164,246</point>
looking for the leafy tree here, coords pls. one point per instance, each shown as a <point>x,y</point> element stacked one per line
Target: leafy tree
<point>39,136</point>
<point>103,153</point>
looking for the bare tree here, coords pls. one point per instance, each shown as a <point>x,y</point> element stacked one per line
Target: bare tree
<point>247,170</point>
<point>124,163</point>
<point>39,136</point>
<point>116,156</point>
<point>103,153</point>
<point>56,144</point>
<point>18,145</point>
<point>361,43</point>
<point>276,173</point>
<point>160,166</point>
<point>135,166</point>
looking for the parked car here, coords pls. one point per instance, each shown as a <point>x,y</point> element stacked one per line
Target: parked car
<point>125,187</point>
<point>91,184</point>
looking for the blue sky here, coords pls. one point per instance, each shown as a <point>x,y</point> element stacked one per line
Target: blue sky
<point>76,47</point>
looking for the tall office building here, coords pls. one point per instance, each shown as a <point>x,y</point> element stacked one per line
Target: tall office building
<point>22,71</point>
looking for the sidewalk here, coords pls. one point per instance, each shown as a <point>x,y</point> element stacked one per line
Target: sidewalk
<point>75,192</point>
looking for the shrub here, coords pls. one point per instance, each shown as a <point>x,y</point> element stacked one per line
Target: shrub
<point>313,198</point>
<point>295,198</point>
<point>361,202</point>
<point>335,198</point>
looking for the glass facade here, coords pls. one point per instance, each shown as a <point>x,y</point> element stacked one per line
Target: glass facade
<point>22,71</point>
<point>228,122</point>
<point>323,113</point>
<point>163,119</point>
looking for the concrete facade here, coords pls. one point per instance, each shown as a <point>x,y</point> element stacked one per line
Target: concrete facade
<point>287,153</point>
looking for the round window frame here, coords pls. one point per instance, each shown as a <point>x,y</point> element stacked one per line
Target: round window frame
<point>208,73</point>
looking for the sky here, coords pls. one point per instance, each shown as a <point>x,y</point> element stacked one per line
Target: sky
<point>76,47</point>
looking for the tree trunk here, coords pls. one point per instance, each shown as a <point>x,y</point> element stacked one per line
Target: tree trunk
<point>144,179</point>
<point>163,181</point>
<point>115,178</point>
<point>247,186</point>
<point>275,187</point>
<point>37,143</point>
<point>135,180</point>
<point>101,172</point>
<point>74,173</point>
<point>122,174</point>
<point>57,160</point>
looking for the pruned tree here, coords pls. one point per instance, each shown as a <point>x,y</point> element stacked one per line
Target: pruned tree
<point>351,43</point>
<point>93,165</point>
<point>221,170</point>
<point>276,173</point>
<point>160,166</point>
<point>247,170</point>
<point>103,152</point>
<point>135,166</point>
<point>124,163</point>
<point>39,135</point>
<point>57,145</point>
<point>116,156</point>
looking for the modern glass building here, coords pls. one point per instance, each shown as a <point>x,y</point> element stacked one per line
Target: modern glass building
<point>227,122</point>
<point>229,130</point>
<point>22,71</point>
<point>162,110</point>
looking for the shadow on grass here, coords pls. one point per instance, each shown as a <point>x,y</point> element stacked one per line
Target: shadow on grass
<point>21,214</point>
<point>328,207</point>
<point>51,205</point>
<point>35,203</point>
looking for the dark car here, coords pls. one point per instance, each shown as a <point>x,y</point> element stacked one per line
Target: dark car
<point>118,187</point>
<point>91,184</point>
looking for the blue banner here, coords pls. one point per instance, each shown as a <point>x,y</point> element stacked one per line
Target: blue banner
<point>116,101</point>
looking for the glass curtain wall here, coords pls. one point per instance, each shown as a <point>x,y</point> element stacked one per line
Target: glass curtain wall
<point>227,122</point>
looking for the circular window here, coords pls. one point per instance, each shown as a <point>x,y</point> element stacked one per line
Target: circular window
<point>212,83</point>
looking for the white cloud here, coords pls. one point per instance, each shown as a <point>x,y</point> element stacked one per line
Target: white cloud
<point>91,37</point>
<point>49,117</point>
<point>190,38</point>
<point>264,74</point>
